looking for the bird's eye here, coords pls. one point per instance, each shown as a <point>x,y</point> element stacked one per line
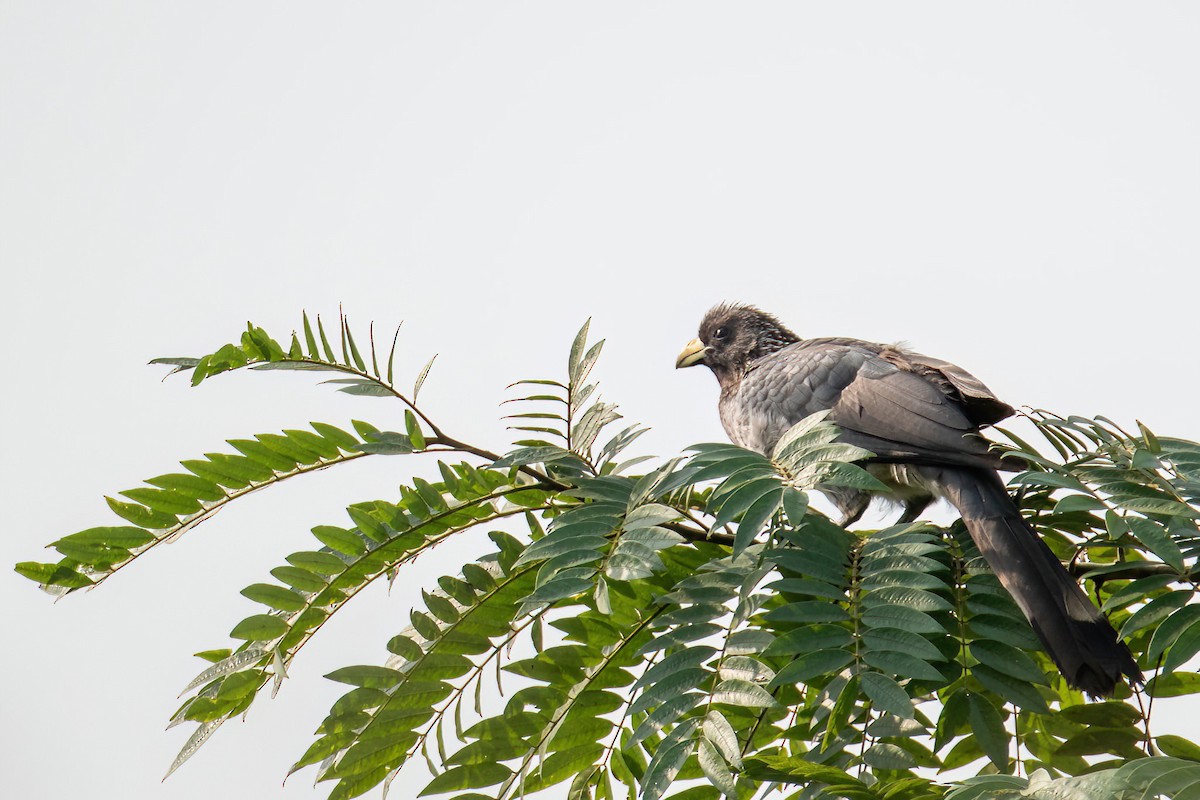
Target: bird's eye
<point>721,333</point>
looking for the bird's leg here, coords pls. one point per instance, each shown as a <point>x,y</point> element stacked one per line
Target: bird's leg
<point>913,507</point>
<point>848,518</point>
<point>851,502</point>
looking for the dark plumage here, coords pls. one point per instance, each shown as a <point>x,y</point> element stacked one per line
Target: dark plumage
<point>920,416</point>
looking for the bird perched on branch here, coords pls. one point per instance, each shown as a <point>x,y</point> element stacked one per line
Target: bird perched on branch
<point>920,416</point>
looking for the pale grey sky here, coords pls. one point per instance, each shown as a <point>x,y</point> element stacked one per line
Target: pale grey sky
<point>1015,188</point>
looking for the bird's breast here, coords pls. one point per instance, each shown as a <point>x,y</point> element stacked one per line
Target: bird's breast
<point>753,425</point>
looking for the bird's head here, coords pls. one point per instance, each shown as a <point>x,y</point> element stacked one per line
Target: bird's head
<point>733,336</point>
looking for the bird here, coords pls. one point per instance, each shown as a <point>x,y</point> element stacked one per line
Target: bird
<point>920,417</point>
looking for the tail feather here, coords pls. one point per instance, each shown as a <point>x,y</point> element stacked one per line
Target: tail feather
<point>1077,636</point>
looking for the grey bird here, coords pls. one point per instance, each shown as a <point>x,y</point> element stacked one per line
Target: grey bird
<point>920,416</point>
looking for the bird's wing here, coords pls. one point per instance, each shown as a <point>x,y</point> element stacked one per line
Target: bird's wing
<point>894,413</point>
<point>903,412</point>
<point>978,401</point>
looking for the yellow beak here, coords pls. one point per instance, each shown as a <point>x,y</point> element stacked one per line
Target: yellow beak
<point>692,354</point>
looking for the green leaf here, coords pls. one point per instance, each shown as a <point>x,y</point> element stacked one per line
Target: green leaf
<point>718,731</point>
<point>341,439</point>
<point>850,476</point>
<point>715,769</point>
<point>683,660</point>
<point>1137,590</point>
<point>1156,611</point>
<point>903,642</point>
<point>809,611</point>
<point>358,359</point>
<point>288,448</point>
<point>1170,630</point>
<point>665,766</point>
<point>535,455</point>
<point>812,665</point>
<point>755,518</point>
<point>299,578</point>
<point>1014,632</point>
<point>808,639</point>
<point>189,485</point>
<point>902,665</point>
<point>988,727</point>
<point>387,443</point>
<point>1019,693</point>
<point>885,756</point>
<point>746,668</point>
<point>276,597</point>
<point>795,505</point>
<point>367,676</point>
<point>142,516</point>
<point>1183,649</point>
<point>887,695</point>
<point>1094,741</point>
<point>343,541</point>
<point>1175,684</point>
<point>809,432</point>
<point>649,516</point>
<point>953,720</point>
<point>811,588</point>
<point>421,376</point>
<point>1178,747</point>
<point>260,627</point>
<point>739,692</point>
<point>467,776</point>
<point>1157,541</point>
<point>1008,660</point>
<point>1078,502</point>
<point>1053,480</point>
<point>1111,714</point>
<point>320,563</point>
<point>261,454</point>
<point>746,496</point>
<point>413,429</point>
<point>901,618</point>
<point>309,339</point>
<point>575,358</point>
<point>1154,505</point>
<point>914,599</point>
<point>792,769</point>
<point>121,537</point>
<point>52,575</point>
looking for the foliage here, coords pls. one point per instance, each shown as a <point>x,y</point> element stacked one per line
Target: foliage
<point>695,630</point>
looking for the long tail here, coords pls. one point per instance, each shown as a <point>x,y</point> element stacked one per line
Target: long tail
<point>1077,636</point>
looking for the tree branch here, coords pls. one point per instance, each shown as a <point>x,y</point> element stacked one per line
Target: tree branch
<point>1101,573</point>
